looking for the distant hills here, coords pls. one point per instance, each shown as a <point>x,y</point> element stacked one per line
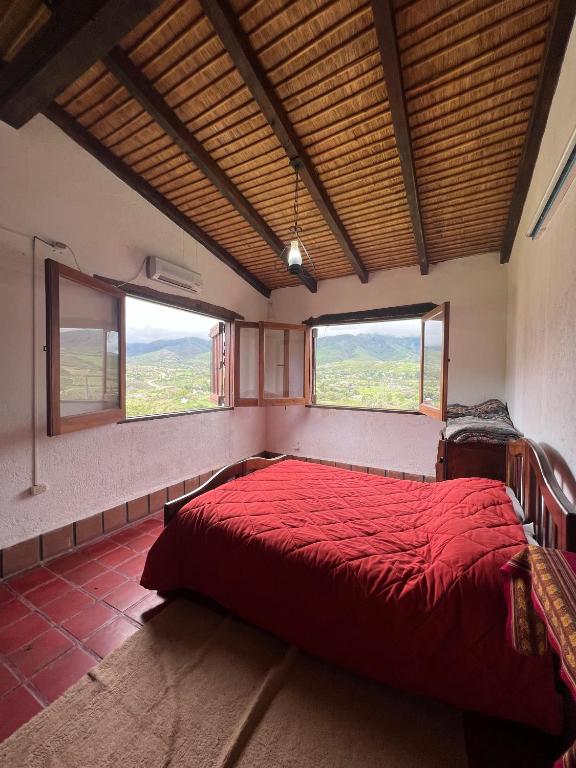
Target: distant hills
<point>366,346</point>
<point>178,351</point>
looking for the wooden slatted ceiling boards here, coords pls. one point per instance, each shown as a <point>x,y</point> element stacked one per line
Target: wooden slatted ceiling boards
<point>470,72</point>
<point>322,60</point>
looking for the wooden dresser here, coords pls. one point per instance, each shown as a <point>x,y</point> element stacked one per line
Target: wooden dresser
<point>472,459</point>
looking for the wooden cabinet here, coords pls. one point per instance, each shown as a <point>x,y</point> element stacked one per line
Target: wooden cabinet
<point>473,459</point>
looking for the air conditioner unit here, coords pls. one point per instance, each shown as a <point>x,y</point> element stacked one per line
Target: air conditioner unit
<point>172,274</point>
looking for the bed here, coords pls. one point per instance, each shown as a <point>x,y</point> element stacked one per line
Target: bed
<point>396,580</point>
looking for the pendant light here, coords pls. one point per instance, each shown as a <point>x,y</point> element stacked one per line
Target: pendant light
<point>296,246</point>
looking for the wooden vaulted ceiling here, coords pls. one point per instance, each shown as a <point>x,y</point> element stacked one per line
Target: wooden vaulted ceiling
<point>416,122</point>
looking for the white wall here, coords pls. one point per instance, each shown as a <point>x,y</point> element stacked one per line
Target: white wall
<point>52,188</point>
<point>541,365</point>
<point>476,289</point>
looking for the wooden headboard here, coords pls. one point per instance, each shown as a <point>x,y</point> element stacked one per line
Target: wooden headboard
<point>531,477</point>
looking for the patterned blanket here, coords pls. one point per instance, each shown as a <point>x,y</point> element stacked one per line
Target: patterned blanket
<point>488,422</point>
<point>540,588</point>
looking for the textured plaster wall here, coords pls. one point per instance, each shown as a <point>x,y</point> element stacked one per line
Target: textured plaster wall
<point>52,188</point>
<point>541,364</point>
<point>476,289</point>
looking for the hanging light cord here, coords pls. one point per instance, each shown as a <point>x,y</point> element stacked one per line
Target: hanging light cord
<point>296,229</point>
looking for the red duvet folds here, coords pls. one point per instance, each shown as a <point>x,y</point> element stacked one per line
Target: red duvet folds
<point>394,579</point>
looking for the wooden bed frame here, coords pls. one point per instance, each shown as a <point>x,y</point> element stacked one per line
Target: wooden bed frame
<point>528,473</point>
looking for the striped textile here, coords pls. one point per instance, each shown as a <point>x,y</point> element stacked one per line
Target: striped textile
<point>540,589</point>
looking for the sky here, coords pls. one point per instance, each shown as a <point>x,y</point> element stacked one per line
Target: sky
<point>146,321</point>
<point>389,328</point>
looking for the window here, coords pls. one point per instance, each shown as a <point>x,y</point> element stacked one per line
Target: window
<point>383,364</point>
<point>85,350</point>
<point>175,360</point>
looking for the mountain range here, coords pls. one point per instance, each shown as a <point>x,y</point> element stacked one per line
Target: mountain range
<point>329,349</point>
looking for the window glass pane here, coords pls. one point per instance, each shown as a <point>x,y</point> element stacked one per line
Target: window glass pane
<point>274,367</point>
<point>369,365</point>
<point>168,359</point>
<point>249,352</point>
<point>296,356</point>
<point>89,362</point>
<point>432,363</point>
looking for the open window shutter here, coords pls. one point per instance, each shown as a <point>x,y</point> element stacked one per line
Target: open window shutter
<point>434,344</point>
<point>85,344</point>
<point>217,363</point>
<point>283,378</point>
<point>310,372</point>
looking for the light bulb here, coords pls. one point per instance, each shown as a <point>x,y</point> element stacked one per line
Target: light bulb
<point>294,255</point>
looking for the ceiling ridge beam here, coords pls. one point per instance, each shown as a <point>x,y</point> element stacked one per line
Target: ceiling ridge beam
<point>144,92</point>
<point>89,143</point>
<point>387,40</point>
<point>76,36</point>
<point>246,61</point>
<point>560,27</point>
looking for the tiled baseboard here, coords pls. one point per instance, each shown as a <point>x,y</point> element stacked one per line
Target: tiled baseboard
<point>33,551</point>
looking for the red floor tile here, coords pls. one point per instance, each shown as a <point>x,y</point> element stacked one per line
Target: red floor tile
<point>104,583</point>
<point>8,681</point>
<point>86,572</point>
<point>148,608</point>
<point>133,567</point>
<point>116,556</point>
<point>67,563</point>
<point>89,620</point>
<point>11,611</point>
<point>111,636</point>
<point>48,592</point>
<point>126,595</point>
<point>30,579</point>
<point>40,652</point>
<point>142,543</point>
<point>57,677</point>
<point>16,708</point>
<point>102,547</point>
<point>66,606</point>
<point>5,594</point>
<point>21,632</point>
<point>126,536</point>
<point>148,526</point>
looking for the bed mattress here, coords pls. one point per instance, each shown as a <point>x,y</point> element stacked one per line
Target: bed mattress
<point>396,580</point>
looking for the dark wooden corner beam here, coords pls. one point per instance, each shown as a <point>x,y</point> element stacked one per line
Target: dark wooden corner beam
<point>88,142</point>
<point>141,89</point>
<point>236,43</point>
<point>76,36</point>
<point>557,39</point>
<point>388,43</point>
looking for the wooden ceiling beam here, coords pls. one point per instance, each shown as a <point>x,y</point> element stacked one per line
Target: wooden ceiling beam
<point>387,40</point>
<point>244,57</point>
<point>142,90</point>
<point>559,30</point>
<point>71,41</point>
<point>88,142</point>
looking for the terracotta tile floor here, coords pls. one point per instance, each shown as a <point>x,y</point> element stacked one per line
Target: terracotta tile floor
<point>59,619</point>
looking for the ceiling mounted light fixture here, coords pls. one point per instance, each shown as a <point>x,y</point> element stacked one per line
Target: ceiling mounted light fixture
<point>296,246</point>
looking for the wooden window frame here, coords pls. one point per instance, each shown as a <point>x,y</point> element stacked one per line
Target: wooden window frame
<point>286,327</point>
<point>443,311</point>
<point>56,423</point>
<point>243,402</point>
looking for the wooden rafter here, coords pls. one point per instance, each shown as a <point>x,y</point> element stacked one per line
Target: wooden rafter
<point>557,40</point>
<point>88,142</point>
<point>388,43</point>
<point>71,41</point>
<point>141,89</point>
<point>236,43</point>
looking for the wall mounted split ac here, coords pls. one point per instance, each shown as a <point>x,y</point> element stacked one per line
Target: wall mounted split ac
<point>564,176</point>
<point>171,274</point>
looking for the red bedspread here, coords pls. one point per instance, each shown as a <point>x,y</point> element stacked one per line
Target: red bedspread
<point>397,580</point>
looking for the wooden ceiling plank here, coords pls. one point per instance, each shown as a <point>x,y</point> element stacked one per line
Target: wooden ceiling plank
<point>236,43</point>
<point>85,139</point>
<point>387,40</point>
<point>557,39</point>
<point>75,37</point>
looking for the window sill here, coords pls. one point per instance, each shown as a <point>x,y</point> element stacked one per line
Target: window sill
<point>360,408</point>
<point>132,419</point>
